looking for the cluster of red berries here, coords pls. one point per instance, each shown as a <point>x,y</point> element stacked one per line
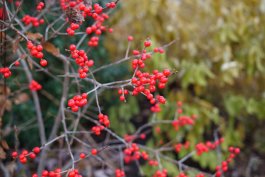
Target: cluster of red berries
<point>153,162</point>
<point>34,86</point>
<point>182,121</point>
<point>132,153</point>
<point>24,154</point>
<point>182,175</point>
<point>155,108</point>
<point>74,173</point>
<point>146,83</point>
<point>36,51</point>
<point>5,72</point>
<point>71,30</point>
<point>69,3</point>
<point>27,20</point>
<point>205,147</point>
<point>144,155</point>
<point>160,173</point>
<point>97,129</point>
<point>95,11</point>
<point>55,173</point>
<point>77,102</point>
<point>82,60</point>
<point>122,93</point>
<point>179,108</point>
<point>140,62</point>
<point>93,42</point>
<point>179,146</point>
<point>95,29</point>
<point>224,165</point>
<point>130,138</point>
<point>104,119</point>
<point>200,175</point>
<point>40,6</point>
<point>119,173</point>
<point>159,50</point>
<point>111,5</point>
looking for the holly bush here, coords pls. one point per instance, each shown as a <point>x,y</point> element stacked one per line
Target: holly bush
<point>98,88</point>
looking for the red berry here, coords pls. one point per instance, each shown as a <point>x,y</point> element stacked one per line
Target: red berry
<point>36,150</point>
<point>82,155</point>
<point>43,62</point>
<point>94,151</point>
<point>130,38</point>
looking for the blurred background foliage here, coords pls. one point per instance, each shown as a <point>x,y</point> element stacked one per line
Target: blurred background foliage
<point>219,56</point>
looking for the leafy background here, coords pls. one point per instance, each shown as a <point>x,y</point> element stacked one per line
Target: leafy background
<point>219,56</point>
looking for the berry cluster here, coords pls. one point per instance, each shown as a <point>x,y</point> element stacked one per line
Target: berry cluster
<point>36,51</point>
<point>111,5</point>
<point>119,173</point>
<point>24,154</point>
<point>93,42</point>
<point>200,175</point>
<point>46,173</point>
<point>74,173</point>
<point>160,173</point>
<point>224,165</point>
<point>104,119</point>
<point>95,11</point>
<point>145,83</point>
<point>179,146</point>
<point>5,72</point>
<point>205,147</point>
<point>27,20</point>
<point>130,138</point>
<point>97,129</point>
<point>132,153</point>
<point>122,93</point>
<point>82,60</point>
<point>182,175</point>
<point>159,50</point>
<point>40,6</point>
<point>71,30</point>
<point>34,86</point>
<point>77,102</point>
<point>182,121</point>
<point>144,155</point>
<point>153,163</point>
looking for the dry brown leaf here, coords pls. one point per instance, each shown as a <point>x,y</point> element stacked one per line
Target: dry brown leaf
<point>2,153</point>
<point>21,98</point>
<point>4,89</point>
<point>8,105</point>
<point>5,145</point>
<point>49,47</point>
<point>5,104</point>
<point>34,36</point>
